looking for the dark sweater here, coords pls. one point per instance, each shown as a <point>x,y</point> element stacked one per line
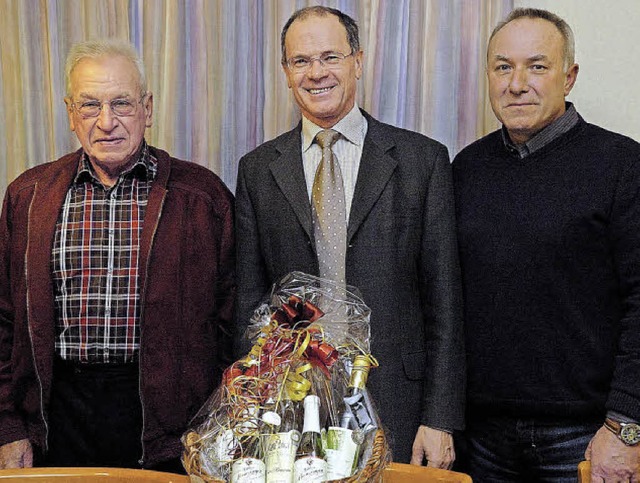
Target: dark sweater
<point>550,254</point>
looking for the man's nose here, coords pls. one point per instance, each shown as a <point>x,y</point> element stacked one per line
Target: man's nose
<point>106,119</point>
<point>316,69</point>
<point>519,81</point>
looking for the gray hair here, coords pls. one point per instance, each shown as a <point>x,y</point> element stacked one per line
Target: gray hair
<point>93,49</point>
<point>347,22</point>
<point>569,48</point>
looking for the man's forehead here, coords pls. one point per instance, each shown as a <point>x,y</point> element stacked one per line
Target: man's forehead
<point>527,28</point>
<point>533,36</point>
<point>115,72</point>
<point>313,28</point>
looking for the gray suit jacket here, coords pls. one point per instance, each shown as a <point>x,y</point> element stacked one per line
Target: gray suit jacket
<point>402,255</point>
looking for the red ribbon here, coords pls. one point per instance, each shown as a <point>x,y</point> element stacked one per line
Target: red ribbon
<point>275,352</point>
<point>319,353</point>
<point>295,310</point>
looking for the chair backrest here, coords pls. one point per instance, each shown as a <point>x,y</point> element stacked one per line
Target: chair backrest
<point>394,473</point>
<point>89,475</point>
<point>402,473</point>
<point>584,472</point>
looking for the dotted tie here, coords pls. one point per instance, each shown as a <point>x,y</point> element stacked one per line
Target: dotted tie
<point>329,212</point>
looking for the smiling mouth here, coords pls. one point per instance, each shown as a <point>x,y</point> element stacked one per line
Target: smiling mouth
<point>319,91</point>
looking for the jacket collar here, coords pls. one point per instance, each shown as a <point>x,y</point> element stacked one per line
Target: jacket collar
<point>145,167</point>
<point>376,168</point>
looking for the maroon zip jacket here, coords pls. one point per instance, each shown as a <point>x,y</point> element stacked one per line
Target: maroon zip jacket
<point>187,290</point>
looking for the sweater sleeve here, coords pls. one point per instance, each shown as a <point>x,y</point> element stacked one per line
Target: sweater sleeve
<point>624,395</point>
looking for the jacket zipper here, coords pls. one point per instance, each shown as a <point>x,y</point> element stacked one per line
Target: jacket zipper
<point>142,301</point>
<point>33,350</point>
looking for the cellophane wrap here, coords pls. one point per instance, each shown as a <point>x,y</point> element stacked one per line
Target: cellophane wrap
<point>305,337</point>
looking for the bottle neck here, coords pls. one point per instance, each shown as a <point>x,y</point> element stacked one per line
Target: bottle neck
<point>311,416</point>
<point>289,417</point>
<point>358,380</point>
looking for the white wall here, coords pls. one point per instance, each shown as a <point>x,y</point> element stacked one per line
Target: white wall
<point>607,34</point>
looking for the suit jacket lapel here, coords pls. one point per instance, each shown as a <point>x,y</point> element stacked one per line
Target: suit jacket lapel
<point>376,168</point>
<point>288,172</point>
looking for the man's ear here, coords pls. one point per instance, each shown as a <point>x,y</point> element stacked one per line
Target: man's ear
<point>358,59</point>
<point>148,108</point>
<point>570,78</point>
<point>72,125</point>
<point>286,74</point>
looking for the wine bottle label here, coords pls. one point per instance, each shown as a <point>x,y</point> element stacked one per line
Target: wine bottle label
<point>248,470</point>
<point>340,452</point>
<point>223,446</point>
<point>280,454</point>
<point>309,469</point>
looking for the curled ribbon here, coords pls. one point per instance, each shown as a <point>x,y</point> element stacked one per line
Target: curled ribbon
<point>273,358</point>
<point>297,386</point>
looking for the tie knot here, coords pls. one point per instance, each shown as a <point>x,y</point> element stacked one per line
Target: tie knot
<point>327,137</point>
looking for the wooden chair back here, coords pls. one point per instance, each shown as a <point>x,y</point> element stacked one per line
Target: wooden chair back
<point>88,475</point>
<point>394,473</point>
<point>584,472</point>
<point>402,473</point>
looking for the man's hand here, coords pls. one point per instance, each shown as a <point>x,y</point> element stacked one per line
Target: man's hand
<point>17,454</point>
<point>611,459</point>
<point>434,445</point>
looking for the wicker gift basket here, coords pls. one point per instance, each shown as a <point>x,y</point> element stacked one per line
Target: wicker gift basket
<point>305,338</point>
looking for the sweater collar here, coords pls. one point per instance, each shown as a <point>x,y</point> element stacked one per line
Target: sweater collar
<point>549,134</point>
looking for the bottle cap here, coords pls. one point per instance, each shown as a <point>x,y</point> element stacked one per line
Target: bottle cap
<point>362,362</point>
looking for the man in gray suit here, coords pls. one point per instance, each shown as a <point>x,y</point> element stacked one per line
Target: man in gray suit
<point>400,249</point>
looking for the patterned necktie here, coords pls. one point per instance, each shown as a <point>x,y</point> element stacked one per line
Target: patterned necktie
<point>329,212</point>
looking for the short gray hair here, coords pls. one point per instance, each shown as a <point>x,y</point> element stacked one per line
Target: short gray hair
<point>93,49</point>
<point>569,48</point>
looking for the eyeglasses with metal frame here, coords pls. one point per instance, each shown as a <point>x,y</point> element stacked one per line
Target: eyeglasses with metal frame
<point>329,60</point>
<point>121,107</point>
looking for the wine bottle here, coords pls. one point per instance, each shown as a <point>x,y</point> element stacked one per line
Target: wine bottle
<point>357,400</point>
<point>310,466</point>
<point>248,466</point>
<point>281,446</point>
<point>343,443</point>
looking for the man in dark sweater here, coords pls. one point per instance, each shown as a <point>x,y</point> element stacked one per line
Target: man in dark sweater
<point>549,229</point>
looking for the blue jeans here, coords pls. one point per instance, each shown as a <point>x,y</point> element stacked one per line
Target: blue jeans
<point>505,449</point>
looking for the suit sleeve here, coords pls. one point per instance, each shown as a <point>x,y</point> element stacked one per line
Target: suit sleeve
<point>624,395</point>
<point>441,293</point>
<point>250,267</point>
<point>11,425</point>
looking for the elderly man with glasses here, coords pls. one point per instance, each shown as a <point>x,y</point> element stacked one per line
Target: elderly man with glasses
<point>116,284</point>
<point>360,202</point>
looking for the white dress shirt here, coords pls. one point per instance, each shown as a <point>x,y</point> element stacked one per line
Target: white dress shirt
<point>347,150</point>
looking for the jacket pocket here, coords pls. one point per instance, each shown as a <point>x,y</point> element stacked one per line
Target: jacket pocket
<point>414,364</point>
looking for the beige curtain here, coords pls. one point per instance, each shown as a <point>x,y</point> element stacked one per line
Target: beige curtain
<point>214,69</point>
